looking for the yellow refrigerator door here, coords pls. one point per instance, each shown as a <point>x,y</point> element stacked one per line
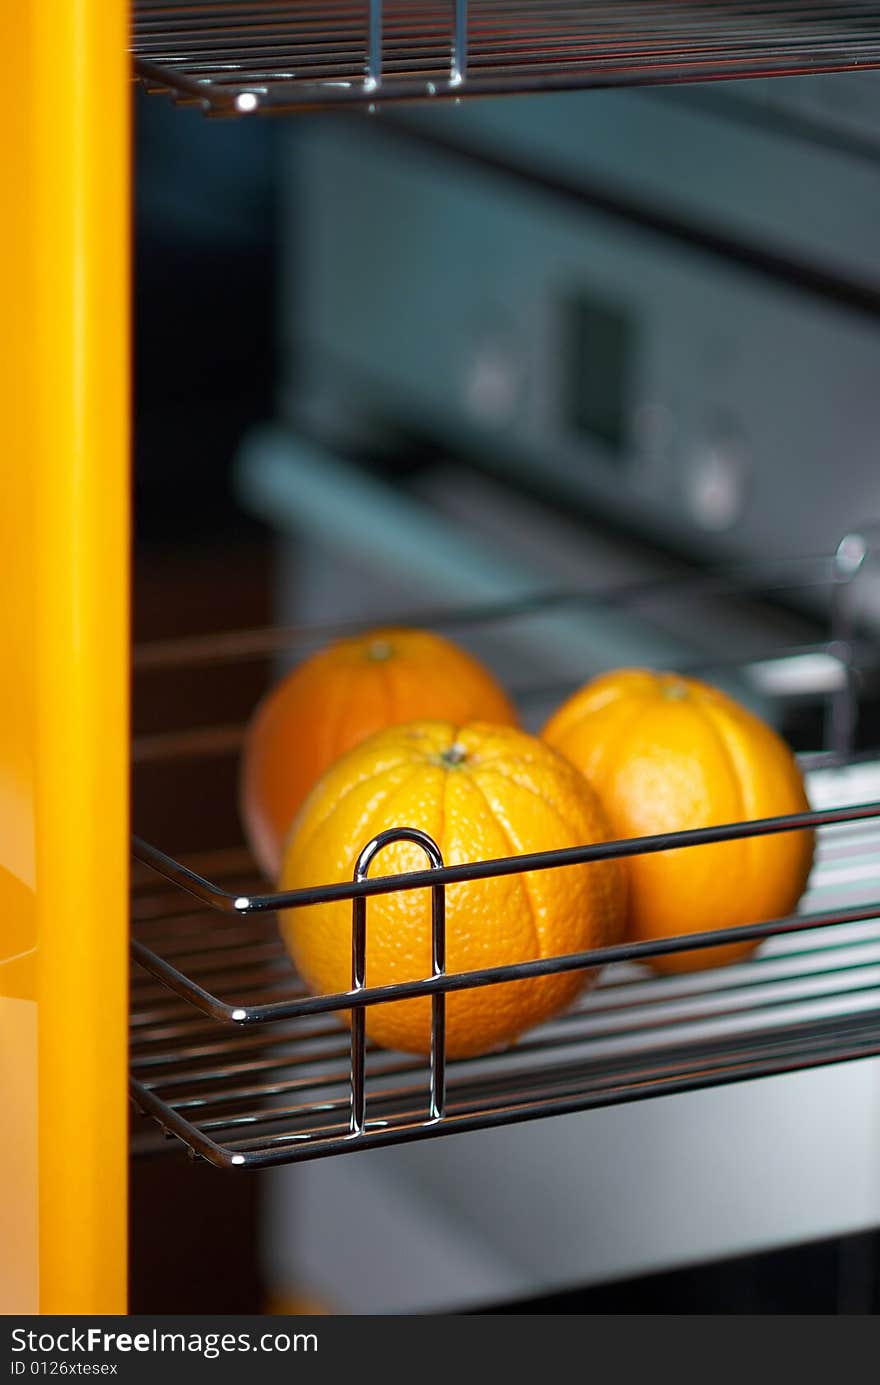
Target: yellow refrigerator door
<point>64,536</point>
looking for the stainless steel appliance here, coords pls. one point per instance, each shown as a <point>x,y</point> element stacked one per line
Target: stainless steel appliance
<point>658,308</point>
<point>588,338</point>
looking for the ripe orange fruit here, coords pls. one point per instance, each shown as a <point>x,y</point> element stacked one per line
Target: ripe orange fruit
<point>337,698</point>
<point>666,753</point>
<point>480,791</point>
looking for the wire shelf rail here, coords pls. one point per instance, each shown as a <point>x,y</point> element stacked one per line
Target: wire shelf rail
<point>231,1055</point>
<point>233,57</point>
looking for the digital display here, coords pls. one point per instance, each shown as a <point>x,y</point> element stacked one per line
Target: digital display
<point>600,351</point>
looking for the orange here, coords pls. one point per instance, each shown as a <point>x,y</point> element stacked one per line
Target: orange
<point>480,791</point>
<point>666,753</point>
<point>337,698</point>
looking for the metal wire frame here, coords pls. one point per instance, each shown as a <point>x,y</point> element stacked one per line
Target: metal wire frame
<point>774,577</point>
<point>235,58</point>
<point>670,1073</point>
<point>581,1085</point>
<point>198,1055</point>
<point>834,574</point>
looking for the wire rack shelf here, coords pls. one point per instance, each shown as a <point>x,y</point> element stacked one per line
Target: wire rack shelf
<point>233,57</point>
<point>230,1055</point>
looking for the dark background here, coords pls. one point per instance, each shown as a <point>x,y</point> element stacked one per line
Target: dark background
<point>204,349</point>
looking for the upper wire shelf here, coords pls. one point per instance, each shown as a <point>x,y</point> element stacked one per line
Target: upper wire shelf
<point>234,57</point>
<point>232,1056</point>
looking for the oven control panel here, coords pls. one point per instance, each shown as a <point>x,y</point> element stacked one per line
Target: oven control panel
<point>716,393</point>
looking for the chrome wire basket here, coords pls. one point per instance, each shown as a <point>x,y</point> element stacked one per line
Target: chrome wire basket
<point>236,58</point>
<point>230,1054</point>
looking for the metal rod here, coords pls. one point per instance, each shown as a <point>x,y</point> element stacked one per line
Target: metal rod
<point>591,1036</point>
<point>374,59</point>
<point>178,874</point>
<point>359,1015</point>
<point>604,1044</point>
<point>459,44</point>
<point>358,974</point>
<point>438,1001</point>
<point>750,999</point>
<point>489,976</point>
<point>293,56</point>
<point>489,870</point>
<point>772,575</point>
<point>214,742</point>
<point>477,1089</point>
<point>859,1041</point>
<point>843,705</point>
<point>595,1054</point>
<point>400,1107</point>
<point>638,1038</point>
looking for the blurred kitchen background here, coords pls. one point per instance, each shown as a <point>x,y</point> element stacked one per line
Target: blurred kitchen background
<point>397,363</point>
